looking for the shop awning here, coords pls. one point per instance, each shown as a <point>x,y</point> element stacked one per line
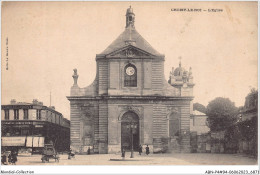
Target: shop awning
<point>13,141</point>
<point>35,141</point>
<point>23,141</point>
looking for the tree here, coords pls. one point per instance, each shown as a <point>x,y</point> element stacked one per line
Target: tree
<point>221,113</point>
<point>253,91</point>
<point>199,107</point>
<point>251,99</point>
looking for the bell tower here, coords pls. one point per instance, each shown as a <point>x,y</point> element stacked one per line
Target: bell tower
<point>130,18</point>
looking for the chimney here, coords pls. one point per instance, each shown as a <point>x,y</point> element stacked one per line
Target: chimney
<point>35,101</point>
<point>40,103</point>
<point>13,101</point>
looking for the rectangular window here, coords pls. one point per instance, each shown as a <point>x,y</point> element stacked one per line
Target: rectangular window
<point>38,114</point>
<point>16,114</point>
<point>25,114</point>
<point>6,114</point>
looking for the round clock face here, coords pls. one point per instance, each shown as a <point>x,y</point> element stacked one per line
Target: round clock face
<point>130,71</point>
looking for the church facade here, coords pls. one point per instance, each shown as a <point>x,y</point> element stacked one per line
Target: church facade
<point>130,103</point>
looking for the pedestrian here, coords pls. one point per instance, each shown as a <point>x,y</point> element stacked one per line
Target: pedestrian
<point>3,159</point>
<point>9,158</point>
<point>88,151</point>
<point>147,150</point>
<point>13,158</point>
<point>69,153</point>
<point>123,153</point>
<point>140,149</point>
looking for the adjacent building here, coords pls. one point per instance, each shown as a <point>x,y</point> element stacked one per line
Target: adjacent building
<point>31,125</point>
<point>250,109</point>
<point>199,123</point>
<point>131,101</point>
<point>199,132</point>
<point>248,124</point>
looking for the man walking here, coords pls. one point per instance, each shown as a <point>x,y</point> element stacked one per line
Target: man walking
<point>147,150</point>
<point>123,153</point>
<point>140,149</point>
<point>69,153</point>
<point>13,157</point>
<point>88,150</point>
<point>4,159</point>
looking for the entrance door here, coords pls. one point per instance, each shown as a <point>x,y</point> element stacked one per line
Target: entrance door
<point>130,125</point>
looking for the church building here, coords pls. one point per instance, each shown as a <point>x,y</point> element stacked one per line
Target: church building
<point>130,103</point>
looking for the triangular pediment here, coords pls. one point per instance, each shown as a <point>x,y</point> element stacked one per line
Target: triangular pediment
<point>129,51</point>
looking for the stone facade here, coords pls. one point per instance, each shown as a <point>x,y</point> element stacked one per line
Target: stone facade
<point>130,90</point>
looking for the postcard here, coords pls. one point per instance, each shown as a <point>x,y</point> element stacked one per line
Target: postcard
<point>129,83</point>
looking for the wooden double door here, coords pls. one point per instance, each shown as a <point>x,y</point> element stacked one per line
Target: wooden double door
<point>130,131</point>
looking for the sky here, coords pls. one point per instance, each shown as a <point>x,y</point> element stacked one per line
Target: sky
<point>47,40</point>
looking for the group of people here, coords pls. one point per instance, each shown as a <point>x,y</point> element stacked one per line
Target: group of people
<point>140,150</point>
<point>71,154</point>
<point>12,158</point>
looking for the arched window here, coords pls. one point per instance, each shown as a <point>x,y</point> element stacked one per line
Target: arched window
<point>130,76</point>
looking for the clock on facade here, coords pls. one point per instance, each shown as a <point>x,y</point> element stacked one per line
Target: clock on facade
<point>130,71</point>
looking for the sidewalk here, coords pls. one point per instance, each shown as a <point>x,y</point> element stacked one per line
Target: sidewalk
<point>151,159</point>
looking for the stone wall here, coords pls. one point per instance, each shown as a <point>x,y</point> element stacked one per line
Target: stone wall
<point>102,77</point>
<point>150,78</point>
<point>105,122</point>
<point>84,127</point>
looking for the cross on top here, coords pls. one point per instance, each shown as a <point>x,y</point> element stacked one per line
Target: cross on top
<point>180,61</point>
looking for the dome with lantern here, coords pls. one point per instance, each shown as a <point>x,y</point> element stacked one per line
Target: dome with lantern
<point>179,76</point>
<point>179,71</point>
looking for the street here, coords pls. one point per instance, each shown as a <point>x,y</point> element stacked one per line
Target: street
<point>152,159</point>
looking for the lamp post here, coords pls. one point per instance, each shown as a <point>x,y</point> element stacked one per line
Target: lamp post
<point>132,126</point>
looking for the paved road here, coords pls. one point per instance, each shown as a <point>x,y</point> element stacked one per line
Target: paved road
<point>152,159</point>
